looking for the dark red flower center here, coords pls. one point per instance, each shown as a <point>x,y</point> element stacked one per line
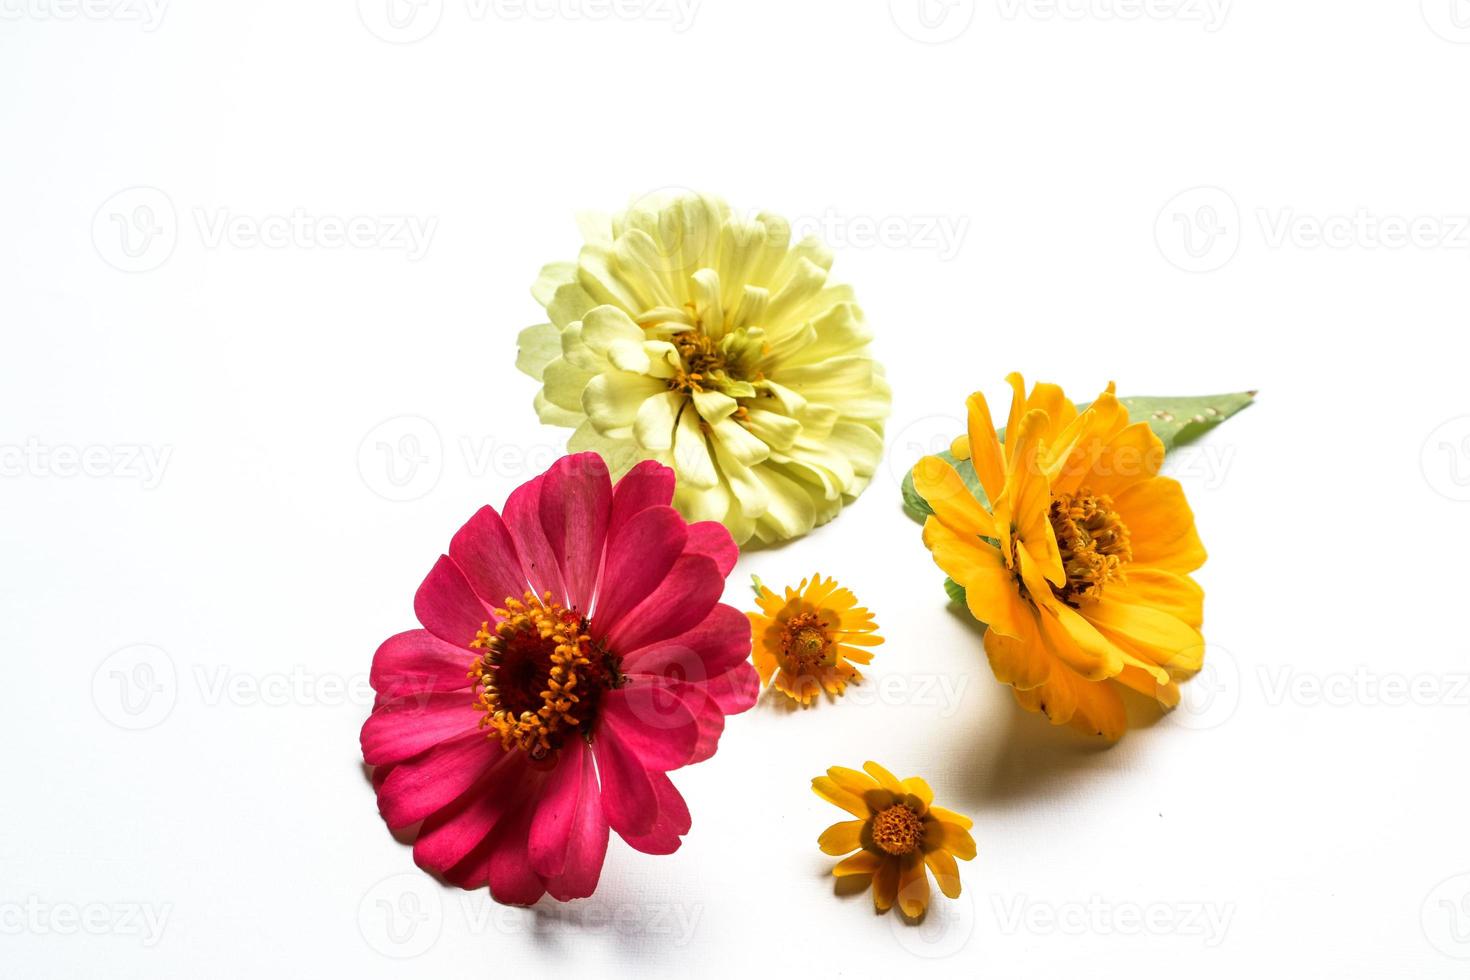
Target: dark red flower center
<point>541,676</point>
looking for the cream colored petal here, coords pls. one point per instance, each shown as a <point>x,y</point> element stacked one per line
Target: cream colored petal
<point>537,347</point>
<point>653,427</point>
<point>564,383</point>
<point>692,460</point>
<point>612,401</point>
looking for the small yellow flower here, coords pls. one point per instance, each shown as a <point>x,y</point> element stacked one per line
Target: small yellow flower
<point>1080,564</point>
<point>810,638</point>
<point>898,832</point>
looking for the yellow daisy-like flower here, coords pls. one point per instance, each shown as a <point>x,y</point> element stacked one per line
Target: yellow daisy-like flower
<point>810,638</point>
<point>1081,565</point>
<point>716,345</point>
<point>898,832</point>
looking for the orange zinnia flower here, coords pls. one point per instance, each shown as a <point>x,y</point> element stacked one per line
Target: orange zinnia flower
<point>1080,567</point>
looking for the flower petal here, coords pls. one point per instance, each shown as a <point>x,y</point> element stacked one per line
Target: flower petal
<point>640,552</point>
<point>431,781</point>
<point>842,838</point>
<point>685,597</point>
<point>576,498</point>
<point>447,606</point>
<point>486,554</point>
<point>672,823</point>
<point>418,662</point>
<point>404,727</point>
<point>556,809</point>
<point>522,517</point>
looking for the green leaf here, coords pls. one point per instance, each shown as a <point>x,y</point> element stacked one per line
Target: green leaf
<point>1176,421</point>
<point>757,586</point>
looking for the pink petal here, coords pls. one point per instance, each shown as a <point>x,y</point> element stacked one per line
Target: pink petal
<point>587,846</point>
<point>706,711</point>
<point>672,824</point>
<point>556,808</point>
<point>417,662</point>
<point>735,690</point>
<point>447,606</point>
<point>512,880</point>
<point>648,484</point>
<point>713,538</point>
<point>432,781</point>
<point>628,797</point>
<point>404,727</point>
<point>714,645</point>
<point>447,836</point>
<point>484,550</point>
<point>576,496</point>
<point>652,722</point>
<point>640,552</point>
<point>523,520</point>
<point>685,596</point>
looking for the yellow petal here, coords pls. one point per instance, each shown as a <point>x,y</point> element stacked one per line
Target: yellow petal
<point>885,884</point>
<point>913,886</point>
<point>939,834</point>
<point>851,780</point>
<point>841,838</point>
<point>919,788</point>
<point>984,447</point>
<point>946,872</point>
<point>861,863</point>
<point>828,790</point>
<point>885,778</point>
<point>946,494</point>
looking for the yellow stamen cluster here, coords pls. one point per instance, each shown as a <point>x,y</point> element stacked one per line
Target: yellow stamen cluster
<point>897,829</point>
<point>1093,541</point>
<point>806,644</point>
<point>535,658</point>
<point>702,357</point>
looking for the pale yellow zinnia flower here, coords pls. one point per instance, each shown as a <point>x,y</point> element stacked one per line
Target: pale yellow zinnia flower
<point>713,343</point>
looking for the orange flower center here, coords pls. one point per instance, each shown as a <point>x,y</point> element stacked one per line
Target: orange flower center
<point>897,829</point>
<point>806,645</point>
<point>1093,541</point>
<point>541,676</point>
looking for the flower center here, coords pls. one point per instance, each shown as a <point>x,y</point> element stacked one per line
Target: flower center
<point>897,829</point>
<point>1094,544</point>
<point>806,645</point>
<point>541,676</point>
<point>702,358</point>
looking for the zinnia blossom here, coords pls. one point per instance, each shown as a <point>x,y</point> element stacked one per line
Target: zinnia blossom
<point>897,834</point>
<point>1081,564</point>
<point>711,342</point>
<point>809,639</point>
<point>573,652</point>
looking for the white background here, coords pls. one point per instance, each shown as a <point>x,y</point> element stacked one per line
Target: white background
<point>220,571</point>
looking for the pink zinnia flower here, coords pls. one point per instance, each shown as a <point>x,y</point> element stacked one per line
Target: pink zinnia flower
<point>573,653</point>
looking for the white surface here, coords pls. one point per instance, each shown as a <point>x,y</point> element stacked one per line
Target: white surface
<point>1280,824</point>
